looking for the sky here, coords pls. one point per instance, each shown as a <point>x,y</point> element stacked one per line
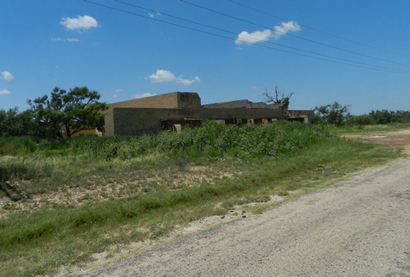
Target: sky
<point>353,52</point>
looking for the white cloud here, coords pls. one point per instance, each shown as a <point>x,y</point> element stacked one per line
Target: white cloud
<point>6,75</point>
<point>83,22</point>
<point>254,37</point>
<point>162,76</point>
<point>4,92</point>
<point>187,82</point>
<point>72,40</point>
<point>261,36</point>
<point>147,94</point>
<point>166,76</point>
<point>115,96</point>
<point>286,27</point>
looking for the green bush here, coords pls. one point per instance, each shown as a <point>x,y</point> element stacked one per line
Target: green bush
<point>380,117</point>
<point>210,140</point>
<point>37,158</point>
<point>360,120</point>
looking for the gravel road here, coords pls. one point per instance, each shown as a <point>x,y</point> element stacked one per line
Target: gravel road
<point>360,227</point>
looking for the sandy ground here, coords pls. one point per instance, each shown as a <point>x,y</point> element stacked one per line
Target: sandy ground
<point>399,139</point>
<point>114,186</point>
<point>360,227</point>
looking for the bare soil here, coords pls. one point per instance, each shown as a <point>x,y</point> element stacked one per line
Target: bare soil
<point>399,139</point>
<point>96,188</point>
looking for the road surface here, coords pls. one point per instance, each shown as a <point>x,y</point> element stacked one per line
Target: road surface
<point>361,227</point>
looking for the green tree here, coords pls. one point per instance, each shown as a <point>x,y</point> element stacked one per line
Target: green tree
<point>334,113</point>
<point>65,113</point>
<point>15,123</point>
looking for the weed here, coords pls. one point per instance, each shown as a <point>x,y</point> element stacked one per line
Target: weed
<point>272,159</point>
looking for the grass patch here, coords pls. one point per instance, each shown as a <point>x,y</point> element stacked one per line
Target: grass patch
<point>276,159</point>
<point>374,128</point>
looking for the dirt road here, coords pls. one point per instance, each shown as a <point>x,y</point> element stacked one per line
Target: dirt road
<point>360,227</point>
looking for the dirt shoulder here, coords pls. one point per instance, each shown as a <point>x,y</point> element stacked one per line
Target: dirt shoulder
<point>399,139</point>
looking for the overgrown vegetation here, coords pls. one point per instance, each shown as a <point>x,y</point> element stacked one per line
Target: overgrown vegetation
<point>381,117</point>
<point>335,113</point>
<point>338,115</point>
<point>273,159</point>
<point>62,114</point>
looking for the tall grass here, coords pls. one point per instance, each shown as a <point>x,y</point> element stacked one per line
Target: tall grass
<point>39,158</point>
<point>270,175</point>
<point>213,140</point>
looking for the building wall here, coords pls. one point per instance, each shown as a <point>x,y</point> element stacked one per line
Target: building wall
<point>240,113</point>
<point>137,121</point>
<point>189,100</point>
<point>241,104</point>
<point>305,116</point>
<point>175,100</point>
<point>152,114</point>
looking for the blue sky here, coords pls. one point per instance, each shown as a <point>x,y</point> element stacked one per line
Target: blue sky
<point>67,43</point>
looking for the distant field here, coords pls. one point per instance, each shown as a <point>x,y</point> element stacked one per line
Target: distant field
<point>370,128</point>
<point>84,195</point>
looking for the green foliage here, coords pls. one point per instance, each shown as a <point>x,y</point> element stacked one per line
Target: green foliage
<point>14,123</point>
<point>40,242</point>
<point>20,169</point>
<point>45,222</point>
<point>337,114</point>
<point>380,117</point>
<point>334,113</point>
<point>209,141</point>
<point>272,159</point>
<point>360,120</point>
<point>65,113</point>
<point>52,164</point>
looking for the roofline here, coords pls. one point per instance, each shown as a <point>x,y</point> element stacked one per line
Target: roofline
<point>153,96</point>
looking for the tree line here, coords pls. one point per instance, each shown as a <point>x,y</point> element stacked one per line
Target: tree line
<point>65,113</point>
<point>58,115</point>
<point>338,114</point>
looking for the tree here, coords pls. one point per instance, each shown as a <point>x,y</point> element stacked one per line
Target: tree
<point>335,113</point>
<point>15,123</point>
<point>278,98</point>
<point>65,113</point>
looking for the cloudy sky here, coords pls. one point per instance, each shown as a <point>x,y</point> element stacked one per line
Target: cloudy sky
<point>355,52</point>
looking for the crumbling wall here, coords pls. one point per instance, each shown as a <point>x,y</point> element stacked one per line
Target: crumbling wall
<point>135,121</point>
<point>240,113</point>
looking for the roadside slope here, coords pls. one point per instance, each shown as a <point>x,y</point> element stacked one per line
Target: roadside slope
<point>358,228</point>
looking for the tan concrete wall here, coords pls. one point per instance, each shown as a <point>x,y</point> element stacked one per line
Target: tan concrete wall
<point>305,116</point>
<point>175,100</point>
<point>146,115</point>
<point>240,113</point>
<point>188,100</point>
<point>136,121</point>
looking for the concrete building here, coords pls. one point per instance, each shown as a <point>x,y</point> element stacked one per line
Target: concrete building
<point>305,116</point>
<point>179,109</point>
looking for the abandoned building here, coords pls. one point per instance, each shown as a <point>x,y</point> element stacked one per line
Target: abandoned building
<point>179,109</point>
